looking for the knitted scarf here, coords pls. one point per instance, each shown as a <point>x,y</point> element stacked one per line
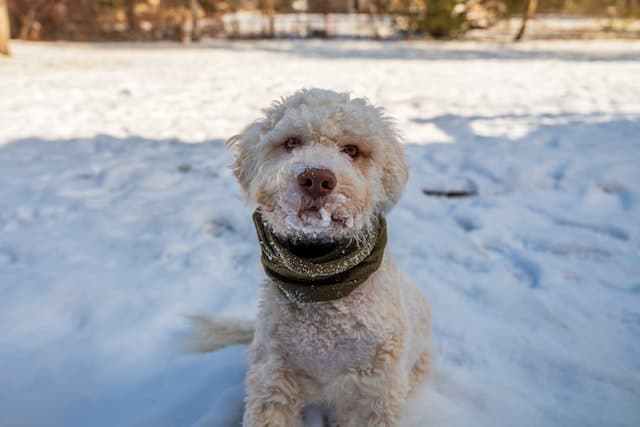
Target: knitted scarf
<point>328,277</point>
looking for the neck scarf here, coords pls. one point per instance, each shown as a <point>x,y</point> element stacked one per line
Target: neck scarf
<point>328,277</point>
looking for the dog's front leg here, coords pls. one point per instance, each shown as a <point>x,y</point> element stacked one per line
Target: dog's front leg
<point>274,396</point>
<point>372,397</point>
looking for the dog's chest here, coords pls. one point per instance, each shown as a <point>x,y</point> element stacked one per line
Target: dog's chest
<point>323,343</point>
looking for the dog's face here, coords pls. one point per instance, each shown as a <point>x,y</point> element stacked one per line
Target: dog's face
<point>320,165</point>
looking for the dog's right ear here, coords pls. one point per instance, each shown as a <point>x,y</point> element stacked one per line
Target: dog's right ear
<point>396,172</point>
<point>245,145</point>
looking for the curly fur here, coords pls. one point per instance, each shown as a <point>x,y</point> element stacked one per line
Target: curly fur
<point>360,355</point>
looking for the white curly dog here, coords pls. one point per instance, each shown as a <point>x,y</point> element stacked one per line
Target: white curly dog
<point>338,324</point>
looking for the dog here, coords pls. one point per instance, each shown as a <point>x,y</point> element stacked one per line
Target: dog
<point>338,323</point>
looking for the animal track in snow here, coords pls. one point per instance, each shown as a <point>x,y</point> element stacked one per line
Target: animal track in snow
<point>624,195</point>
<point>525,269</point>
<point>467,223</point>
<point>575,249</point>
<point>7,256</point>
<point>606,230</point>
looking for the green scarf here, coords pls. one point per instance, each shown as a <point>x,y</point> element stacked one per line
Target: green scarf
<point>322,278</point>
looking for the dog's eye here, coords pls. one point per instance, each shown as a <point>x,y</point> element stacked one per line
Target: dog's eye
<point>351,151</point>
<point>292,142</point>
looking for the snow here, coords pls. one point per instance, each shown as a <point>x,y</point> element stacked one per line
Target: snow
<point>118,216</point>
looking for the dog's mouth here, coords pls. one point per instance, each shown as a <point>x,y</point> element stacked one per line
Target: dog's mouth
<point>322,219</point>
<point>320,215</point>
<point>325,216</point>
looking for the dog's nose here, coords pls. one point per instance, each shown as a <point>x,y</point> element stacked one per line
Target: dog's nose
<point>317,182</point>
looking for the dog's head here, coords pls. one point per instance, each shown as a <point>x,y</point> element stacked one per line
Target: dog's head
<point>321,165</point>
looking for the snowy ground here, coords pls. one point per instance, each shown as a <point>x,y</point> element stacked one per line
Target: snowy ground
<point>118,215</point>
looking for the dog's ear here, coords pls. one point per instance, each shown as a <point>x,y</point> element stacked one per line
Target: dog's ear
<point>395,172</point>
<point>245,145</point>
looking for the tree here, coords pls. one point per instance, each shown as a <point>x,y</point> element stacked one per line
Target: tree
<point>28,13</point>
<point>412,12</point>
<point>132,19</point>
<point>195,26</point>
<point>269,9</point>
<point>4,28</point>
<point>630,7</point>
<point>439,20</point>
<point>529,11</point>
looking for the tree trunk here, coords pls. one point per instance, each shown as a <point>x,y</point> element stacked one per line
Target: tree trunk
<point>5,33</point>
<point>26,24</point>
<point>132,20</point>
<point>270,12</point>
<point>327,25</point>
<point>529,11</point>
<point>195,30</point>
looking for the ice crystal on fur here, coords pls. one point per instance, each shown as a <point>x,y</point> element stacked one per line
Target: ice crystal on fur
<point>312,217</point>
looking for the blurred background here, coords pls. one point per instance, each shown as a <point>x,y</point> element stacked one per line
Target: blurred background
<point>191,20</point>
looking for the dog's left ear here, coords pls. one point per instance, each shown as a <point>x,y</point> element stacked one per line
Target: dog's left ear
<point>244,167</point>
<point>395,172</point>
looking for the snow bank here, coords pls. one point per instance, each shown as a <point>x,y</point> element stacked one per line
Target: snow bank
<point>118,216</point>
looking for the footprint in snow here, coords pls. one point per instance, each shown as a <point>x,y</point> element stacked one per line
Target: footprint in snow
<point>624,195</point>
<point>606,230</point>
<point>570,248</point>
<point>525,269</point>
<point>7,256</point>
<point>184,168</point>
<point>218,227</point>
<point>467,224</point>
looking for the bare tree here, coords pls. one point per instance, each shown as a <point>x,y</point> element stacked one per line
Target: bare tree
<point>269,9</point>
<point>195,27</point>
<point>5,32</point>
<point>132,19</point>
<point>29,11</point>
<point>529,11</point>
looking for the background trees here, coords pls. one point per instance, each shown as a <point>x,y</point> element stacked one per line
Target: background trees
<point>188,20</point>
<point>528,12</point>
<point>4,28</point>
